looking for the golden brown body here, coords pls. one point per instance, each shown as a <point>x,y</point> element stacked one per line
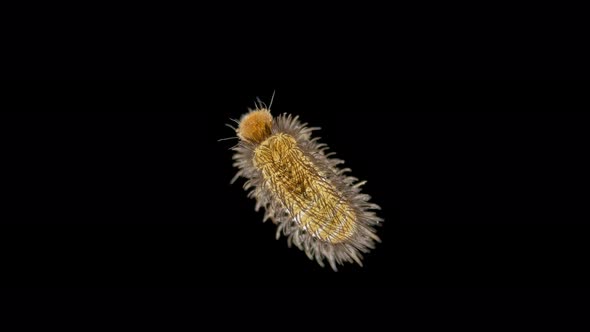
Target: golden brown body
<point>318,208</point>
<point>308,196</point>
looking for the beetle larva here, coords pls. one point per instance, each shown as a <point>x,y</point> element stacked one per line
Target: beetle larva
<point>313,203</point>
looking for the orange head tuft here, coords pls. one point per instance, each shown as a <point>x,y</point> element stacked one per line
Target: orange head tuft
<point>255,126</point>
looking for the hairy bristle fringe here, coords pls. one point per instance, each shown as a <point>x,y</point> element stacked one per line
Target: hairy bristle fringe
<point>350,250</point>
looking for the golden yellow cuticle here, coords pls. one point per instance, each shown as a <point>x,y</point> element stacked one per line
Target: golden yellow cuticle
<point>310,198</point>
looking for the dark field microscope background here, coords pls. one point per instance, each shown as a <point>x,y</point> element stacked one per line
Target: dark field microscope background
<point>124,184</point>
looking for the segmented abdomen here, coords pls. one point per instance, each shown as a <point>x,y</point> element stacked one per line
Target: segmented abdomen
<point>307,194</point>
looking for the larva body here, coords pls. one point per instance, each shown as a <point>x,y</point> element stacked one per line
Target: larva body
<point>313,203</point>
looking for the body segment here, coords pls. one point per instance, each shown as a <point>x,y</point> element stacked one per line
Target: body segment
<point>309,197</point>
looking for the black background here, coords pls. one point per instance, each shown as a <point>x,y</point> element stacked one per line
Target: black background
<point>123,183</point>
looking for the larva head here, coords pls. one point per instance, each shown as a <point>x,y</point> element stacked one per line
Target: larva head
<point>255,126</point>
